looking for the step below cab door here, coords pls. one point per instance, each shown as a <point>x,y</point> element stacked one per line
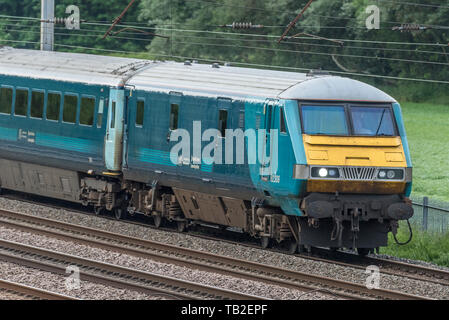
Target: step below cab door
<point>115,130</point>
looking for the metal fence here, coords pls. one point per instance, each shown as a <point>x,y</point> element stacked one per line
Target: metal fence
<point>431,215</point>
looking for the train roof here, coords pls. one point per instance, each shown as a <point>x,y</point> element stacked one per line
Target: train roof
<point>190,78</point>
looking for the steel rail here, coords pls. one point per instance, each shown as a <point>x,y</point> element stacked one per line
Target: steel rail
<point>33,292</point>
<point>397,268</point>
<point>113,275</point>
<point>198,259</point>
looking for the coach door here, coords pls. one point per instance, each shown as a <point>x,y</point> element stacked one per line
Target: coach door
<point>115,130</point>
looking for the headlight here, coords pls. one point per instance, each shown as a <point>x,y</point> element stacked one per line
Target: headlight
<point>321,172</point>
<point>390,174</point>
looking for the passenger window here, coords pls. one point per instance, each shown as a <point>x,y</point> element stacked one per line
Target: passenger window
<point>140,113</point>
<point>87,111</point>
<point>37,104</point>
<point>5,100</point>
<point>223,122</point>
<point>113,115</point>
<point>100,114</point>
<point>53,106</point>
<point>21,105</point>
<point>174,116</point>
<point>70,105</point>
<point>269,114</point>
<point>282,127</point>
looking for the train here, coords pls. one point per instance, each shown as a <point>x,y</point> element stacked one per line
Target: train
<point>299,159</point>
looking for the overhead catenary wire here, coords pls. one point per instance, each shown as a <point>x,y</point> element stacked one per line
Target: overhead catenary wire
<point>284,50</point>
<point>244,34</point>
<point>271,49</point>
<point>293,13</point>
<point>415,4</point>
<point>317,53</point>
<point>274,36</point>
<point>108,23</point>
<point>71,33</point>
<point>259,40</point>
<point>263,48</point>
<point>237,63</point>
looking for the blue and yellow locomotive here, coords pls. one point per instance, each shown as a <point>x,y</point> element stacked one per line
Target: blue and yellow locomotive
<point>99,131</point>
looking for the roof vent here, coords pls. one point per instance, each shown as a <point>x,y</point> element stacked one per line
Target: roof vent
<point>216,65</point>
<point>187,63</point>
<point>315,73</point>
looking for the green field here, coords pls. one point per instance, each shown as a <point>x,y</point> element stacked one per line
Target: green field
<point>427,129</point>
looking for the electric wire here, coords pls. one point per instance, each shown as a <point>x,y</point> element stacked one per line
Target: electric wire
<point>238,63</point>
<point>259,48</point>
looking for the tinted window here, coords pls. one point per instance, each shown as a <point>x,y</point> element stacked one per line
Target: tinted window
<point>372,121</point>
<point>268,117</point>
<point>70,105</point>
<point>113,115</point>
<point>282,127</point>
<point>223,122</point>
<point>329,120</point>
<point>37,104</point>
<point>53,106</point>
<point>174,116</point>
<point>87,111</point>
<point>100,114</point>
<point>21,105</point>
<point>140,112</point>
<point>5,100</point>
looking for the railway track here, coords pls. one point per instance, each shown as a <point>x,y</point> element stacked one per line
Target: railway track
<point>344,259</point>
<point>28,292</point>
<point>113,275</point>
<point>392,267</point>
<point>195,259</point>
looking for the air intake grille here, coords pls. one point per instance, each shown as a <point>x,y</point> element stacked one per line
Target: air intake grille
<point>359,173</point>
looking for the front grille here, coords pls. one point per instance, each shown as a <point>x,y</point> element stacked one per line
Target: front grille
<point>359,173</point>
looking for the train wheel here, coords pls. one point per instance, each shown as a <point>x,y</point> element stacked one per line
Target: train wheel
<point>119,213</point>
<point>157,221</point>
<point>265,242</point>
<point>181,226</point>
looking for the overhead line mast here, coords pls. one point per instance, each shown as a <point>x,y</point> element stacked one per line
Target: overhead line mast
<point>47,27</point>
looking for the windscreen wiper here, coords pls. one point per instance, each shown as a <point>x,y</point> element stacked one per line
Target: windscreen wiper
<point>380,123</point>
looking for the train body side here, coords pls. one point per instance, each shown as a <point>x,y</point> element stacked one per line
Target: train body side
<point>149,149</point>
<point>70,147</point>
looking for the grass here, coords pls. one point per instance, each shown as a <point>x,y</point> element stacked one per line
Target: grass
<point>425,246</point>
<point>427,129</point>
